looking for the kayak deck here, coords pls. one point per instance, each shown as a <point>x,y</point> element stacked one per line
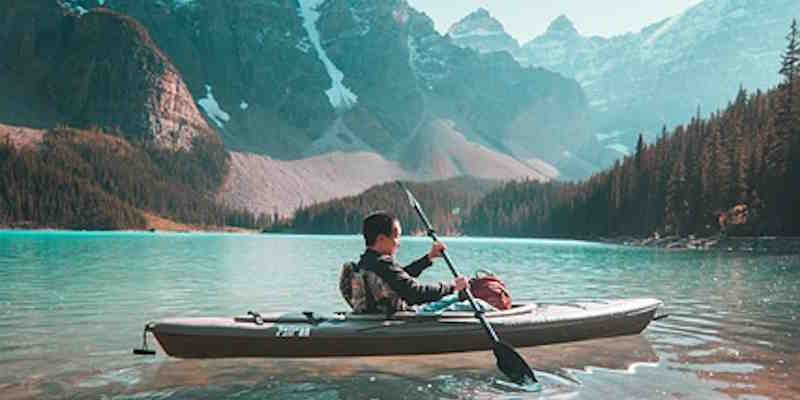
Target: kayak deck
<point>310,335</point>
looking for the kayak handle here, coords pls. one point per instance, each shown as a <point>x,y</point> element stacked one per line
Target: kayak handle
<point>144,351</point>
<point>257,318</point>
<point>658,317</point>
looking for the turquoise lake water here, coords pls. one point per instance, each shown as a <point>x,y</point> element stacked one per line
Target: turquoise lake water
<point>73,304</point>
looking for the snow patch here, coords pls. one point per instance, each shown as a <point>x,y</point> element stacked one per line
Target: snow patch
<point>476,32</point>
<point>425,65</point>
<point>619,148</point>
<point>303,45</point>
<point>605,136</point>
<point>412,53</point>
<point>362,22</point>
<point>599,103</point>
<point>338,137</point>
<point>243,105</point>
<point>339,95</point>
<point>76,8</point>
<point>663,29</point>
<point>212,109</point>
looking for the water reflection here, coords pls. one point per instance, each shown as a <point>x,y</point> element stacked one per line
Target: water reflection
<point>463,375</point>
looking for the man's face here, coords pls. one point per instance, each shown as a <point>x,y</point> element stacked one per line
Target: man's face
<point>388,245</point>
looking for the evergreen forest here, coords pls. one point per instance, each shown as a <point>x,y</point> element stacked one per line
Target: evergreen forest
<point>445,202</point>
<point>86,179</point>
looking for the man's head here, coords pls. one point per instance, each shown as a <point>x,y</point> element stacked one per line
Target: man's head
<point>382,232</point>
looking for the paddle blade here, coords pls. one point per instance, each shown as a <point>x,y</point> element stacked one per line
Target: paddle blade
<point>512,364</point>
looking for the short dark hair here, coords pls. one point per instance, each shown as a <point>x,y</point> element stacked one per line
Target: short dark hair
<point>379,222</point>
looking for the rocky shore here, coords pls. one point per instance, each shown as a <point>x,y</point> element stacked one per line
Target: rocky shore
<point>748,244</point>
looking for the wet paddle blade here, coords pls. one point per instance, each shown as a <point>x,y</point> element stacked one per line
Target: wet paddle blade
<point>512,364</point>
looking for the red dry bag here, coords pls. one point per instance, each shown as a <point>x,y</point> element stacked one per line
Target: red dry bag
<point>489,288</point>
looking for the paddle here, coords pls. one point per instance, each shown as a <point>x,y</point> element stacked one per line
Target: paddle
<point>508,360</point>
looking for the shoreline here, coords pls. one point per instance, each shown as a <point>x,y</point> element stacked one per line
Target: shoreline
<point>234,230</point>
<point>743,244</point>
<point>154,224</point>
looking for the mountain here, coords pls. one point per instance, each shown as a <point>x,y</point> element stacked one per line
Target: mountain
<point>293,79</point>
<point>97,69</point>
<point>296,91</point>
<point>482,32</point>
<point>266,185</point>
<point>662,75</point>
<point>97,128</point>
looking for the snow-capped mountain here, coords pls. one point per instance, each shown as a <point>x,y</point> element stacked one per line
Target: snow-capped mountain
<point>480,31</point>
<point>638,82</point>
<point>292,79</point>
<point>337,90</point>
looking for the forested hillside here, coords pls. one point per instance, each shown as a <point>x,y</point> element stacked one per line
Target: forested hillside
<point>444,202</point>
<point>79,179</point>
<point>737,172</point>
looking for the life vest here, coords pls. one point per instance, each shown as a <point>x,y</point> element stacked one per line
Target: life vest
<point>366,292</point>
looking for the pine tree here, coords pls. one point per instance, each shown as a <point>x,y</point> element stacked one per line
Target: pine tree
<point>675,212</point>
<point>786,148</point>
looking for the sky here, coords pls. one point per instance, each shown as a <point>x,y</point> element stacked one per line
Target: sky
<point>526,19</point>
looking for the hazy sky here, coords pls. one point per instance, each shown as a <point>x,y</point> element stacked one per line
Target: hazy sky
<point>525,19</point>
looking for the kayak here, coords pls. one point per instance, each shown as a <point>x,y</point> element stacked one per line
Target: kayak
<point>308,334</point>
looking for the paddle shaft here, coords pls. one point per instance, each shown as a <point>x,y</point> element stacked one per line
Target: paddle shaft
<point>432,234</point>
<point>478,313</point>
<point>508,360</point>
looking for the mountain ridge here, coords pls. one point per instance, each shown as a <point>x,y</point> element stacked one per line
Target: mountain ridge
<point>254,76</point>
<point>388,54</point>
<point>664,73</point>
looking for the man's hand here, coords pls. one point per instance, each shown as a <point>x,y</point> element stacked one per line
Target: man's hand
<point>437,249</point>
<point>460,283</point>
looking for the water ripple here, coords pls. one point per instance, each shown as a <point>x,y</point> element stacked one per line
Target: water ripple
<point>73,304</point>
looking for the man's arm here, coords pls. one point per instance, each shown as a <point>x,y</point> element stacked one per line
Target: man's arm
<point>415,268</point>
<point>412,291</point>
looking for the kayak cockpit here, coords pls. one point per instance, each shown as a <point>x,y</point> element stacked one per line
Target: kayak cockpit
<point>516,309</point>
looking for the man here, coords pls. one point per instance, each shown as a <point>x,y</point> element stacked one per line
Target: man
<point>378,284</point>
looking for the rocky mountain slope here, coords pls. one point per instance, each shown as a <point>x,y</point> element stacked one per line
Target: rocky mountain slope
<point>292,79</point>
<point>96,69</point>
<point>266,185</point>
<point>482,32</point>
<point>638,82</point>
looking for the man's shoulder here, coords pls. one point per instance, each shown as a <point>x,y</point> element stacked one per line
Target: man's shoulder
<point>374,261</point>
<point>386,259</point>
<point>385,263</point>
